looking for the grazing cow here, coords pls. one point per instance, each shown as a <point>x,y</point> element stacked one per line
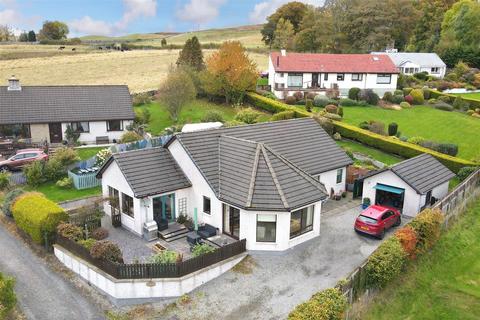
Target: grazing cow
<point>61,48</point>
<point>100,48</point>
<point>73,49</point>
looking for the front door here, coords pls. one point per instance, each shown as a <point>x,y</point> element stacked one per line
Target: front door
<point>315,78</point>
<point>231,221</point>
<point>164,208</point>
<point>55,130</point>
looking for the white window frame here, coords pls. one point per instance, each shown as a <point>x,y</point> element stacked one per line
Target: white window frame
<point>384,75</point>
<point>357,76</point>
<point>268,218</point>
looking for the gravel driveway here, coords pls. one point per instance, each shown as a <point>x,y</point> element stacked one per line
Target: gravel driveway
<point>42,294</point>
<point>281,281</point>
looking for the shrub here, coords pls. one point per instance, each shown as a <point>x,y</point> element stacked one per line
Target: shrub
<point>271,105</point>
<point>369,96</point>
<point>445,99</point>
<point>270,95</point>
<point>106,250</point>
<point>325,123</point>
<point>378,127</point>
<point>309,105</point>
<point>284,115</point>
<point>232,123</point>
<point>337,136</point>
<point>340,111</point>
<point>364,125</point>
<point>320,101</point>
<point>448,148</point>
<point>100,233</point>
<point>53,170</point>
<point>66,157</point>
<point>408,98</point>
<point>331,108</point>
<point>348,102</point>
<point>37,216</point>
<point>405,105</point>
<point>398,98</point>
<point>4,180</point>
<point>65,183</point>
<point>398,92</point>
<point>406,91</point>
<point>87,243</point>
<point>201,249</point>
<point>141,98</point>
<point>34,173</point>
<point>9,200</point>
<point>213,116</point>
<point>248,116</point>
<point>332,93</point>
<point>8,299</point>
<point>432,101</point>
<point>165,256</point>
<point>465,172</point>
<point>416,140</point>
<point>426,93</point>
<point>408,240</point>
<point>298,95</point>
<point>130,136</point>
<point>300,102</point>
<point>388,96</point>
<point>427,225</point>
<point>290,100</point>
<point>417,95</point>
<point>392,129</point>
<point>329,304</point>
<point>353,93</point>
<point>440,105</point>
<point>421,75</point>
<point>460,104</point>
<point>386,263</point>
<point>102,156</point>
<point>70,231</point>
<point>332,116</point>
<point>310,96</point>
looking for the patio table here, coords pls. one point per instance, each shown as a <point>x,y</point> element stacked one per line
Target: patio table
<point>193,238</point>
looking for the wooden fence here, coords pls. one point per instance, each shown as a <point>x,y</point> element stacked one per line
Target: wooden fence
<point>155,270</point>
<point>89,221</point>
<point>84,181</point>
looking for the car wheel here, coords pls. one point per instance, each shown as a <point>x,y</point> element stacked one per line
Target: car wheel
<point>398,222</point>
<point>382,234</point>
<point>4,169</point>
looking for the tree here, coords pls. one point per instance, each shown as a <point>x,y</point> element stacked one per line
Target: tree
<point>23,37</point>
<point>229,72</point>
<point>6,33</point>
<point>164,42</point>
<point>175,91</point>
<point>191,55</point>
<point>32,37</point>
<point>283,36</point>
<point>53,30</point>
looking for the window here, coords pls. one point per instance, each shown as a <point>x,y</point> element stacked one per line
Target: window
<point>266,227</point>
<point>21,131</point>
<point>281,75</point>
<point>115,125</point>
<point>387,215</point>
<point>127,205</point>
<point>357,76</point>
<point>325,77</point>
<point>340,76</point>
<point>301,221</point>
<point>435,70</point>
<point>80,126</point>
<point>410,70</point>
<point>339,175</point>
<point>114,198</point>
<point>206,204</point>
<point>384,78</point>
<point>295,80</point>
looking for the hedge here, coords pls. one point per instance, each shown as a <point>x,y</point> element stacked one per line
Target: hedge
<point>401,148</point>
<point>8,299</point>
<point>328,304</point>
<point>273,105</point>
<point>36,215</point>
<point>471,102</point>
<point>428,226</point>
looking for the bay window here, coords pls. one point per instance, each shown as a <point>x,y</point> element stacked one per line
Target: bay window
<point>266,227</point>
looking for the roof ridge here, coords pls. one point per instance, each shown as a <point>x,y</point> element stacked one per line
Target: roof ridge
<point>253,176</point>
<point>274,177</point>
<point>136,150</point>
<point>236,138</point>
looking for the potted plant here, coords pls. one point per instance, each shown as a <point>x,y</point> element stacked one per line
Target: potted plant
<point>365,203</point>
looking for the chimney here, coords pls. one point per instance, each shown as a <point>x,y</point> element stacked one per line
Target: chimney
<point>14,84</point>
<point>283,52</point>
<point>278,61</point>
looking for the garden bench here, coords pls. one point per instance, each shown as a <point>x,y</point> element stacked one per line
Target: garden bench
<point>102,140</point>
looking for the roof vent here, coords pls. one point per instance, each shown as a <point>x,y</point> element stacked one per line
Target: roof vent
<point>283,52</point>
<point>14,84</point>
<point>375,58</point>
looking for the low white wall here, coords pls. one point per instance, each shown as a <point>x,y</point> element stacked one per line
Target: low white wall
<point>143,288</point>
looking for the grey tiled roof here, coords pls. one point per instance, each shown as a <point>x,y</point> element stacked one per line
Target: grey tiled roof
<point>149,171</point>
<point>421,58</point>
<point>252,176</point>
<point>423,172</point>
<point>42,104</point>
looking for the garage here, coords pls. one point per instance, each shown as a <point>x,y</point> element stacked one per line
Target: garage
<point>389,196</point>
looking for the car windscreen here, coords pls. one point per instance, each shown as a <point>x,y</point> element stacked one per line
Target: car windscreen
<point>367,219</point>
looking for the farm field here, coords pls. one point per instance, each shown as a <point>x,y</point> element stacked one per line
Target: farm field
<point>24,51</point>
<point>141,70</point>
<point>443,284</point>
<point>191,113</point>
<point>426,122</point>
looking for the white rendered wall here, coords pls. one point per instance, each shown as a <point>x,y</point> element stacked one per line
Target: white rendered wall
<point>99,129</point>
<point>329,180</point>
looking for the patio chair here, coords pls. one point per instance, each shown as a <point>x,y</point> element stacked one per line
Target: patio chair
<point>207,231</point>
<point>162,224</point>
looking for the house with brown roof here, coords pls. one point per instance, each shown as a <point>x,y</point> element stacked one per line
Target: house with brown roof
<point>316,72</point>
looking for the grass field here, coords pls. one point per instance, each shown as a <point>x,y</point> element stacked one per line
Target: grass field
<point>376,154</point>
<point>87,153</point>
<point>444,284</point>
<point>24,51</point>
<point>429,123</point>
<point>56,194</point>
<point>191,113</point>
<point>141,70</point>
<point>471,95</point>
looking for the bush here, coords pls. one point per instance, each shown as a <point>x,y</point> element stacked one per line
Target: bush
<point>406,91</point>
<point>465,172</point>
<point>130,136</point>
<point>4,180</point>
<point>8,299</point>
<point>408,240</point>
<point>416,140</point>
<point>329,304</point>
<point>349,103</point>
<point>332,116</point>
<point>325,123</point>
<point>139,99</point>
<point>432,101</point>
<point>377,127</point>
<point>417,95</point>
<point>9,200</point>
<point>388,96</point>
<point>364,125</point>
<point>201,249</point>
<point>233,123</point>
<point>213,116</point>
<point>272,105</point>
<point>408,98</point>
<point>34,173</point>
<point>290,100</point>
<point>337,136</point>
<point>426,93</point>
<point>270,95</point>
<point>102,156</point>
<point>309,105</point>
<point>320,101</point>
<point>421,75</point>
<point>53,170</point>
<point>310,96</point>
<point>386,263</point>
<point>70,231</point>
<point>392,129</point>
<point>427,225</point>
<point>99,233</point>
<point>340,111</point>
<point>460,104</point>
<point>445,99</point>
<point>440,105</point>
<point>37,216</point>
<point>65,183</point>
<point>248,116</point>
<point>353,93</point>
<point>165,256</point>
<point>405,105</point>
<point>66,157</point>
<point>331,108</point>
<point>284,115</point>
<point>332,93</point>
<point>448,148</point>
<point>106,250</point>
<point>398,92</point>
<point>87,243</point>
<point>298,95</point>
<point>398,98</point>
<point>369,96</point>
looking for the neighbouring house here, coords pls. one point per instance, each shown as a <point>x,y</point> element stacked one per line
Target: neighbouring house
<point>414,62</point>
<point>42,113</point>
<point>410,185</point>
<point>264,182</point>
<point>316,72</point>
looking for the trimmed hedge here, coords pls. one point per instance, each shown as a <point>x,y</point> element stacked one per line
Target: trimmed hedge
<point>401,148</point>
<point>328,304</point>
<point>273,106</point>
<point>473,104</point>
<point>428,226</point>
<point>36,215</point>
<point>8,299</point>
<point>10,200</point>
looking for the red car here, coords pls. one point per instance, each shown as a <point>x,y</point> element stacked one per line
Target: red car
<point>22,158</point>
<point>375,220</point>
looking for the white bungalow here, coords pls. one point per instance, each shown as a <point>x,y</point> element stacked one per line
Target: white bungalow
<point>414,62</point>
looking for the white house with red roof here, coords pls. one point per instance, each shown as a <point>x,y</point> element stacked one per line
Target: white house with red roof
<point>317,72</point>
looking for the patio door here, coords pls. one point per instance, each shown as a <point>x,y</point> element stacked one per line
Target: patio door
<point>164,208</point>
<point>315,82</point>
<point>114,199</point>
<point>231,221</point>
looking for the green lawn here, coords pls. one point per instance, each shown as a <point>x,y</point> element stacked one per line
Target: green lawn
<point>444,284</point>
<point>471,95</point>
<point>429,123</point>
<point>56,194</point>
<point>191,113</point>
<point>87,153</point>
<point>376,154</point>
